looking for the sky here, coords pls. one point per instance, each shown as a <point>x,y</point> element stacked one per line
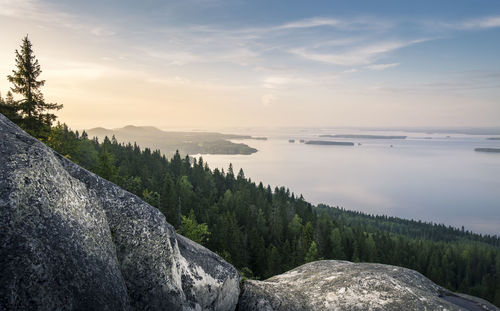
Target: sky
<point>217,63</point>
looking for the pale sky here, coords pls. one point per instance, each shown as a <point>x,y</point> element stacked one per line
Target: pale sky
<point>206,63</point>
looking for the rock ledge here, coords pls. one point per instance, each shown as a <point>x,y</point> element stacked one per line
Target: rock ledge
<point>342,285</point>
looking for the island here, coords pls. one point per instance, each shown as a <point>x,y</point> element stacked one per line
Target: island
<point>364,136</point>
<point>492,150</point>
<point>328,143</point>
<point>493,138</point>
<point>259,138</point>
<point>170,141</point>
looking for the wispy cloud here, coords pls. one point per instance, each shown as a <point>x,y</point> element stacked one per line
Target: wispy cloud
<point>361,55</point>
<point>350,41</point>
<point>252,45</point>
<point>29,9</point>
<point>478,23</point>
<point>311,22</point>
<point>381,66</point>
<point>44,13</point>
<point>481,23</point>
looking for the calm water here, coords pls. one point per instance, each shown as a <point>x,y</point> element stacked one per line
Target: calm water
<point>430,177</point>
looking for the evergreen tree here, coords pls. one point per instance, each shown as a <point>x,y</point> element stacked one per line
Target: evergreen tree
<point>169,199</point>
<point>312,253</point>
<point>241,175</point>
<point>35,118</point>
<point>176,164</point>
<point>193,230</point>
<point>273,261</point>
<point>307,237</point>
<point>370,249</point>
<point>336,244</point>
<point>106,164</point>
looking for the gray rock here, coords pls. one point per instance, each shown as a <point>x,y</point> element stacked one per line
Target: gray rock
<point>342,285</point>
<point>72,240</point>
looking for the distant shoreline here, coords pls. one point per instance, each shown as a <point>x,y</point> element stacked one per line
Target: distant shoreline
<point>364,136</point>
<point>325,142</point>
<point>490,150</point>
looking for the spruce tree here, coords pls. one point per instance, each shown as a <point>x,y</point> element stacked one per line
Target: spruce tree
<point>34,115</point>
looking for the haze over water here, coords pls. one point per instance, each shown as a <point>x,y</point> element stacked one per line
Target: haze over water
<point>428,177</point>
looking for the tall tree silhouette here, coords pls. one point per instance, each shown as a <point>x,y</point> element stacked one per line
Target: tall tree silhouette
<point>34,111</point>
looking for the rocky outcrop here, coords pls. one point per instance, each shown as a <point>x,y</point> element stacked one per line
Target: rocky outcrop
<point>72,240</point>
<point>342,285</point>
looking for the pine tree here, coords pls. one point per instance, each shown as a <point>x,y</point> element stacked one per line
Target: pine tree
<point>241,175</point>
<point>35,118</point>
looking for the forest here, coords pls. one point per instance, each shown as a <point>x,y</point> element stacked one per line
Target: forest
<point>260,230</point>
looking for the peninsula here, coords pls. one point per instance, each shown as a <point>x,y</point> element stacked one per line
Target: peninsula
<point>170,141</point>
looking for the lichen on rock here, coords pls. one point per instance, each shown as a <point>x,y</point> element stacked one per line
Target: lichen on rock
<point>342,285</point>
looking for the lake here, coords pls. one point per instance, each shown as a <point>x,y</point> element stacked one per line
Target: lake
<point>428,177</point>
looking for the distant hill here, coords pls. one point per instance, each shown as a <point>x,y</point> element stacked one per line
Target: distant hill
<point>169,142</point>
